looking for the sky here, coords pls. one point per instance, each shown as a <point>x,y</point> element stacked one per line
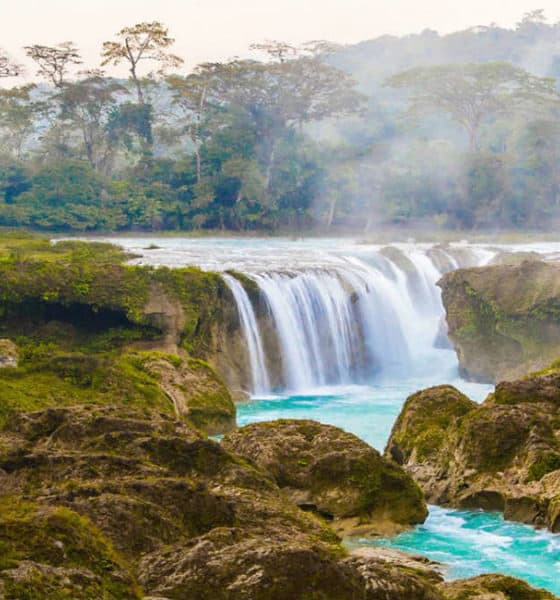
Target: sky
<point>221,29</point>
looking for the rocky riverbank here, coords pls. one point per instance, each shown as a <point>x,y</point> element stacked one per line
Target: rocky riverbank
<point>502,455</point>
<point>110,486</point>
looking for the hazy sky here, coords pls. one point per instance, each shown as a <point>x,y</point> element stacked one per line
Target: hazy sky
<point>219,29</point>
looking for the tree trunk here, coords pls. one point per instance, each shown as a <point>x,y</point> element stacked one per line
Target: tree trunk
<point>198,163</point>
<point>269,166</point>
<point>332,209</point>
<point>473,138</point>
<point>138,85</point>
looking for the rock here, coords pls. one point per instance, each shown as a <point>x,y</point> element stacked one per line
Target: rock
<point>504,321</point>
<point>229,564</point>
<point>333,473</point>
<point>514,258</point>
<point>9,354</point>
<point>196,392</point>
<point>420,431</point>
<point>143,481</point>
<point>52,552</point>
<point>442,336</point>
<point>493,587</point>
<point>118,502</point>
<point>502,455</point>
<point>118,498</point>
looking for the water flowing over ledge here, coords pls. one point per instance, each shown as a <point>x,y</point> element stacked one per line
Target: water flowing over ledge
<point>349,323</point>
<point>328,312</point>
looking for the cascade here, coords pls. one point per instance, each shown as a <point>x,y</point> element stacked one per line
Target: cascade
<point>251,333</point>
<point>349,322</point>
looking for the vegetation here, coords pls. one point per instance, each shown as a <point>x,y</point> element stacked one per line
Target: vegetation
<point>456,131</point>
<point>83,335</point>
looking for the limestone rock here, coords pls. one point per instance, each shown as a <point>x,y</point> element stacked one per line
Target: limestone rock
<point>118,498</point>
<point>501,455</point>
<point>333,473</point>
<point>504,321</point>
<point>493,587</point>
<point>196,392</point>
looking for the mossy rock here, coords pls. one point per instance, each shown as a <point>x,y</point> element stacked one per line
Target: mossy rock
<point>500,587</point>
<point>501,455</point>
<point>48,552</point>
<point>504,321</point>
<point>136,483</point>
<point>66,379</point>
<point>421,430</point>
<point>333,473</point>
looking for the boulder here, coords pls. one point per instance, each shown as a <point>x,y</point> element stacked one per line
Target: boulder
<point>333,473</point>
<point>127,502</point>
<point>123,499</point>
<point>501,455</point>
<point>504,320</point>
<point>493,587</point>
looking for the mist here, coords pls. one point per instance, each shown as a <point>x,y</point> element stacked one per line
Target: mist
<point>327,138</point>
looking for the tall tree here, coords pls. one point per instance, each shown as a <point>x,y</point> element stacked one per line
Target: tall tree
<point>472,94</point>
<point>87,106</point>
<point>194,95</point>
<point>7,67</point>
<point>19,119</point>
<point>137,44</point>
<point>287,93</point>
<point>54,61</point>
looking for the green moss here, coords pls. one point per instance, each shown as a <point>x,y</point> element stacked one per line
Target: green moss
<point>210,404</point>
<point>546,463</point>
<point>60,538</point>
<point>505,586</point>
<point>66,379</point>
<point>386,489</point>
<point>491,438</point>
<point>249,285</point>
<point>37,277</point>
<point>426,419</point>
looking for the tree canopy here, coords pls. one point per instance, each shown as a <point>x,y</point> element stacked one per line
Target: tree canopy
<point>473,93</point>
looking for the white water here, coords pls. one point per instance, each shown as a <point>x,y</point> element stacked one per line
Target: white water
<point>341,313</point>
<point>250,329</point>
<point>352,322</point>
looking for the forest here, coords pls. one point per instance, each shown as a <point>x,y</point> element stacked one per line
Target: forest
<point>457,131</point>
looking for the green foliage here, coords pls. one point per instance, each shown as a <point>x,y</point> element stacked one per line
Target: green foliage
<point>546,463</point>
<point>291,142</point>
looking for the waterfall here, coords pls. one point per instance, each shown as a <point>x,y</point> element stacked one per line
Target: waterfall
<point>251,333</point>
<point>314,321</point>
<point>352,321</point>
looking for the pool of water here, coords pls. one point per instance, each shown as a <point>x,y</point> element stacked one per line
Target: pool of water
<point>469,543</point>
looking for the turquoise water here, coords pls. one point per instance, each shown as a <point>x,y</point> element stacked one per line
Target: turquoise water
<point>469,543</point>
